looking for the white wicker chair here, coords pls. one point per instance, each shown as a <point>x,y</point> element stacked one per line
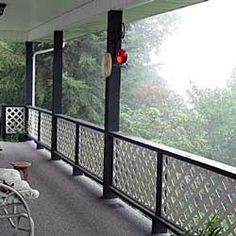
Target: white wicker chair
<point>13,195</point>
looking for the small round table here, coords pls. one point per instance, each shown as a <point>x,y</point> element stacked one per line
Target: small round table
<point>22,167</point>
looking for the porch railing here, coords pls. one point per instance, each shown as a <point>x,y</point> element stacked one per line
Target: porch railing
<point>178,189</point>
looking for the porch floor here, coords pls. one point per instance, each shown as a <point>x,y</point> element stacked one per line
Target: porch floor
<point>67,205</point>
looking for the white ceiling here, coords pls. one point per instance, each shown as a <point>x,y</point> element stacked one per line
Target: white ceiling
<point>28,20</point>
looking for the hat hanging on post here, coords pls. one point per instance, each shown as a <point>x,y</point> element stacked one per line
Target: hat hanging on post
<point>106,64</point>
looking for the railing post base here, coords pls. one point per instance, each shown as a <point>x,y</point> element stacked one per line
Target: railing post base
<point>39,146</point>
<point>159,228</point>
<point>76,171</point>
<point>26,138</point>
<point>55,157</point>
<point>108,194</point>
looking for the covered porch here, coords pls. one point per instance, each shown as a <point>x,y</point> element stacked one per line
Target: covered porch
<point>174,190</point>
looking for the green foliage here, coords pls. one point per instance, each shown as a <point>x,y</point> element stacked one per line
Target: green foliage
<point>18,137</point>
<point>84,89</point>
<point>73,93</point>
<point>211,228</point>
<point>217,108</point>
<point>142,38</point>
<point>11,73</point>
<point>44,77</point>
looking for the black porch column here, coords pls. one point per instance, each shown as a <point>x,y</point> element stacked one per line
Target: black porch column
<point>57,87</point>
<point>28,73</point>
<point>112,102</point>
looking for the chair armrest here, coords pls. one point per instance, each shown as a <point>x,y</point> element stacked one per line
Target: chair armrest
<point>11,176</point>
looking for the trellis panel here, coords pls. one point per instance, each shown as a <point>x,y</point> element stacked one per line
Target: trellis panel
<point>135,172</point>
<point>15,120</point>
<point>33,119</point>
<point>46,129</point>
<point>192,195</point>
<point>91,150</point>
<point>66,132</point>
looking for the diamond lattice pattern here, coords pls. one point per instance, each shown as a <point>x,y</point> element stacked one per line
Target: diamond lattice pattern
<point>66,138</point>
<point>33,119</point>
<point>91,150</point>
<point>46,129</point>
<point>192,195</point>
<point>135,172</point>
<point>15,120</point>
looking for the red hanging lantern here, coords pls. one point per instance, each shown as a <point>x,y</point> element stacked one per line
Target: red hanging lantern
<point>121,56</point>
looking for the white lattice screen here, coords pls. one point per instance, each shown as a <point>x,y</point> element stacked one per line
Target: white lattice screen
<point>33,119</point>
<point>91,150</point>
<point>191,195</point>
<point>135,172</point>
<point>15,120</point>
<point>66,132</point>
<point>46,129</point>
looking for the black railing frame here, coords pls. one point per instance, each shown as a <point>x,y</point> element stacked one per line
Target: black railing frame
<point>160,224</point>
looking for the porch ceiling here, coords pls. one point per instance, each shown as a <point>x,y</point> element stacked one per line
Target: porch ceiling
<point>29,20</point>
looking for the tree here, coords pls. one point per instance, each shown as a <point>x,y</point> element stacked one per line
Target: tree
<point>82,59</point>
<point>141,39</point>
<point>43,77</point>
<point>217,107</point>
<point>12,61</point>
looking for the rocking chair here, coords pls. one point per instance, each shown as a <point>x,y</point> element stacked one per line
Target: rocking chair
<point>13,206</point>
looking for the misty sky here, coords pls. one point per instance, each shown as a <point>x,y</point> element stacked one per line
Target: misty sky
<point>203,48</point>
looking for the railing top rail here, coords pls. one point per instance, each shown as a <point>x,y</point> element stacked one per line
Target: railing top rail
<point>40,109</point>
<point>203,162</point>
<point>82,122</point>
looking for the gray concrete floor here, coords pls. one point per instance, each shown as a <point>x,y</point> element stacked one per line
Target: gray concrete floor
<point>70,206</point>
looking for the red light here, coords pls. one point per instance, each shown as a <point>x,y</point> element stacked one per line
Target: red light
<point>121,56</point>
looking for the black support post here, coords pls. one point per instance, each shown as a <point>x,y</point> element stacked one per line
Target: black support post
<point>57,88</point>
<point>29,73</point>
<point>3,122</point>
<point>158,227</point>
<point>112,102</point>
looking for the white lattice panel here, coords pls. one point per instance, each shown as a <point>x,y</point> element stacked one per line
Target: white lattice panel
<point>191,195</point>
<point>15,120</point>
<point>33,119</point>
<point>135,172</point>
<point>46,129</point>
<point>91,150</point>
<point>66,138</point>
